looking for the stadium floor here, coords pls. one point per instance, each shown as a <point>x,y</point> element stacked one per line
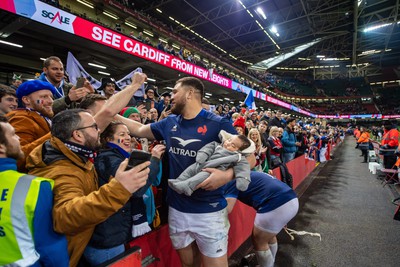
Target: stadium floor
<point>351,210</point>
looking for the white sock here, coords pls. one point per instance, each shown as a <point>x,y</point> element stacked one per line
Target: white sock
<point>265,258</point>
<point>274,249</point>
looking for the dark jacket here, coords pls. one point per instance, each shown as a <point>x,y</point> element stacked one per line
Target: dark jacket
<point>304,143</point>
<point>117,229</point>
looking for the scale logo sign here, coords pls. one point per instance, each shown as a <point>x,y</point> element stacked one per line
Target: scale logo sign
<point>53,17</point>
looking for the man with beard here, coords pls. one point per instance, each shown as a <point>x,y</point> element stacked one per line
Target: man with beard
<point>32,123</point>
<point>198,224</point>
<point>67,158</point>
<point>26,201</point>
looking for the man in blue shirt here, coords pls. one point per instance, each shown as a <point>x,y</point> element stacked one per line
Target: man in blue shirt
<point>198,224</point>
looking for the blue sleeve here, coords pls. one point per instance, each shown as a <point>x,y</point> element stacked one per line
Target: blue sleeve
<point>159,174</point>
<point>51,246</point>
<point>157,129</point>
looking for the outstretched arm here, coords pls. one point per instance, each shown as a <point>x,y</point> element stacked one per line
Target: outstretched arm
<point>118,101</point>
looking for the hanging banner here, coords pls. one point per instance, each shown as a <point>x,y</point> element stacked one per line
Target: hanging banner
<point>75,70</point>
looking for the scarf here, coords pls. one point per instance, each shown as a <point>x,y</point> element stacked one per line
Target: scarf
<point>81,151</point>
<point>59,89</point>
<point>138,208</point>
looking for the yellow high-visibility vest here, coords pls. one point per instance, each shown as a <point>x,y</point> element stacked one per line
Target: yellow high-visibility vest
<point>18,198</point>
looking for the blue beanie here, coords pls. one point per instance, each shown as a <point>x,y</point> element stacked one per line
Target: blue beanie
<point>32,86</point>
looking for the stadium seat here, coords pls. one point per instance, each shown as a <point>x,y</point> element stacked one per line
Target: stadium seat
<point>391,174</point>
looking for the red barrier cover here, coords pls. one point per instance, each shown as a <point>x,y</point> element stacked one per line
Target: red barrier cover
<point>158,244</point>
<point>241,219</point>
<point>134,260</point>
<point>300,168</point>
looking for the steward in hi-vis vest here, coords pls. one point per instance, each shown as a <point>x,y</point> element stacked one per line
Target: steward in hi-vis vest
<point>26,227</point>
<point>27,237</point>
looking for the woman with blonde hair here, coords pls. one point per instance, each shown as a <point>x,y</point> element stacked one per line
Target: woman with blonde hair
<point>261,151</point>
<point>276,155</point>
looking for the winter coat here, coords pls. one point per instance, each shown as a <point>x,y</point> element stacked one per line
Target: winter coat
<point>32,130</point>
<point>289,141</point>
<point>79,204</point>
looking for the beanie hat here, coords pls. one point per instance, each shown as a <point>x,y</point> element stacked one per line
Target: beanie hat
<point>32,86</point>
<point>126,112</point>
<point>240,122</point>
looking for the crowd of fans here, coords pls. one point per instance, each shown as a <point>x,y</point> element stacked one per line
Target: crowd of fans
<point>58,126</point>
<point>101,203</point>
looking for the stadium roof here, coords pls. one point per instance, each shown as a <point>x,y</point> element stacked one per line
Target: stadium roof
<point>239,30</point>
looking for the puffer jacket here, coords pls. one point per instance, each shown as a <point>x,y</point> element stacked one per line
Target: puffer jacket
<point>79,204</point>
<point>289,141</point>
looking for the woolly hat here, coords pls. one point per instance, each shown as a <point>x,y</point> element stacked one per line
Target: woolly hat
<point>32,86</point>
<point>126,112</point>
<point>223,135</point>
<point>105,81</point>
<point>240,122</point>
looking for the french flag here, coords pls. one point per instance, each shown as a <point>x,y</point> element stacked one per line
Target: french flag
<point>249,101</point>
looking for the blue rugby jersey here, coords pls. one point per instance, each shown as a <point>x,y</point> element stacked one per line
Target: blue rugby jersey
<point>183,139</point>
<point>264,193</point>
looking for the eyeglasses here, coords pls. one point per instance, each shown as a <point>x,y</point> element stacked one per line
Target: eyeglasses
<point>94,125</point>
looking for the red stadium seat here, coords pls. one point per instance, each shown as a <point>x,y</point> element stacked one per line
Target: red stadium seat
<point>391,174</point>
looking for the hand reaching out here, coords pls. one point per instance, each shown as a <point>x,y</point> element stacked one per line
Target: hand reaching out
<point>134,178</point>
<point>158,151</point>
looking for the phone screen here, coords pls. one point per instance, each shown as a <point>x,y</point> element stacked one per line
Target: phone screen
<point>137,157</point>
<point>80,82</point>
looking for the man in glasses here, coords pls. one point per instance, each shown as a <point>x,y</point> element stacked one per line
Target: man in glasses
<point>67,158</point>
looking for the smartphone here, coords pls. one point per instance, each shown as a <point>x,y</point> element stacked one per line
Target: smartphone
<point>137,157</point>
<point>147,104</point>
<point>80,82</point>
<point>168,107</point>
